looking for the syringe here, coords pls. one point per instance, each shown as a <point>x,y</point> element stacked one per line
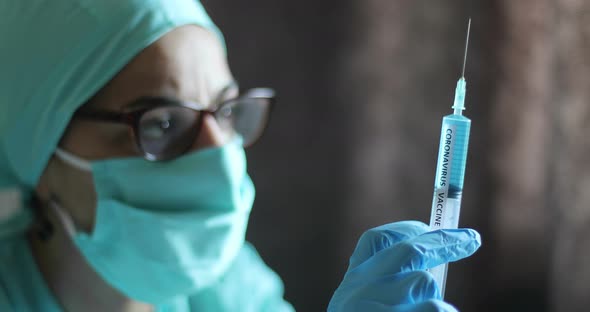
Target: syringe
<point>450,169</point>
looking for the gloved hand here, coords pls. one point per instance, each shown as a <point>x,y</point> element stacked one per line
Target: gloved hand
<point>387,268</point>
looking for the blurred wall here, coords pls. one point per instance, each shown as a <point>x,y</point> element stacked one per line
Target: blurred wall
<point>568,148</point>
<point>363,86</point>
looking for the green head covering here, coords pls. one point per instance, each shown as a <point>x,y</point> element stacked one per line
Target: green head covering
<point>55,55</point>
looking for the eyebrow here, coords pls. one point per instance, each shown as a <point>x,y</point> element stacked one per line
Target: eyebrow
<point>218,99</point>
<point>221,96</point>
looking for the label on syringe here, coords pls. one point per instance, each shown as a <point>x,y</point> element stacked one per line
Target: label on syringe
<point>443,175</point>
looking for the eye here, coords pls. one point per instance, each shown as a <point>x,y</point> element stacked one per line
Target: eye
<point>167,130</point>
<point>226,112</point>
<point>156,124</point>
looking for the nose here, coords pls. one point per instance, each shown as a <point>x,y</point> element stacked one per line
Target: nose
<point>210,134</point>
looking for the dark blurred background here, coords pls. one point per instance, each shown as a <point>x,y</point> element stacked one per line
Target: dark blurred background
<point>363,86</point>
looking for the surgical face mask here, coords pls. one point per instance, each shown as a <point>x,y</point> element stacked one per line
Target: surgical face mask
<point>165,229</point>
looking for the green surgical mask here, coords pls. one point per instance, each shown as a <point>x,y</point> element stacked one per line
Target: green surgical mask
<point>165,229</point>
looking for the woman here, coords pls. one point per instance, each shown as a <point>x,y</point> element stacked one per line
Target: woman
<point>123,173</point>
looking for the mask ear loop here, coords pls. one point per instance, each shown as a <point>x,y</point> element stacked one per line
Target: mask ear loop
<point>73,160</point>
<point>63,217</point>
<point>45,229</point>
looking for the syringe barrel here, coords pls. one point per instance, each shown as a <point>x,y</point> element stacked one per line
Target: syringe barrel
<point>452,154</point>
<point>450,171</point>
<point>448,184</point>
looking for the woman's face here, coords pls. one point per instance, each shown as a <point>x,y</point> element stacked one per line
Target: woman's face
<point>188,63</point>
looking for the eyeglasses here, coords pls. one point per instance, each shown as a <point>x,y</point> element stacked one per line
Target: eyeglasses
<point>166,128</point>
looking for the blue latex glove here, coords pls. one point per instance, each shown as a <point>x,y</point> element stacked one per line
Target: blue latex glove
<point>387,269</point>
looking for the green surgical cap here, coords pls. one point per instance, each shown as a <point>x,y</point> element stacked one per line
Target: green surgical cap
<point>54,56</point>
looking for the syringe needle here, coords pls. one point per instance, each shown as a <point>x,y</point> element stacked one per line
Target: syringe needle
<point>466,45</point>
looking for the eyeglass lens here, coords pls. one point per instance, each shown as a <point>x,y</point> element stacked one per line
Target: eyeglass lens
<point>168,131</point>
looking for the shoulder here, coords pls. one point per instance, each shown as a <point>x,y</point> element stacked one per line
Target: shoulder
<point>5,304</point>
<point>21,285</point>
<point>10,267</point>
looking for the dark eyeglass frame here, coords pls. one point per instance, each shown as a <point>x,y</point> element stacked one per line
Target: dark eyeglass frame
<point>132,113</point>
